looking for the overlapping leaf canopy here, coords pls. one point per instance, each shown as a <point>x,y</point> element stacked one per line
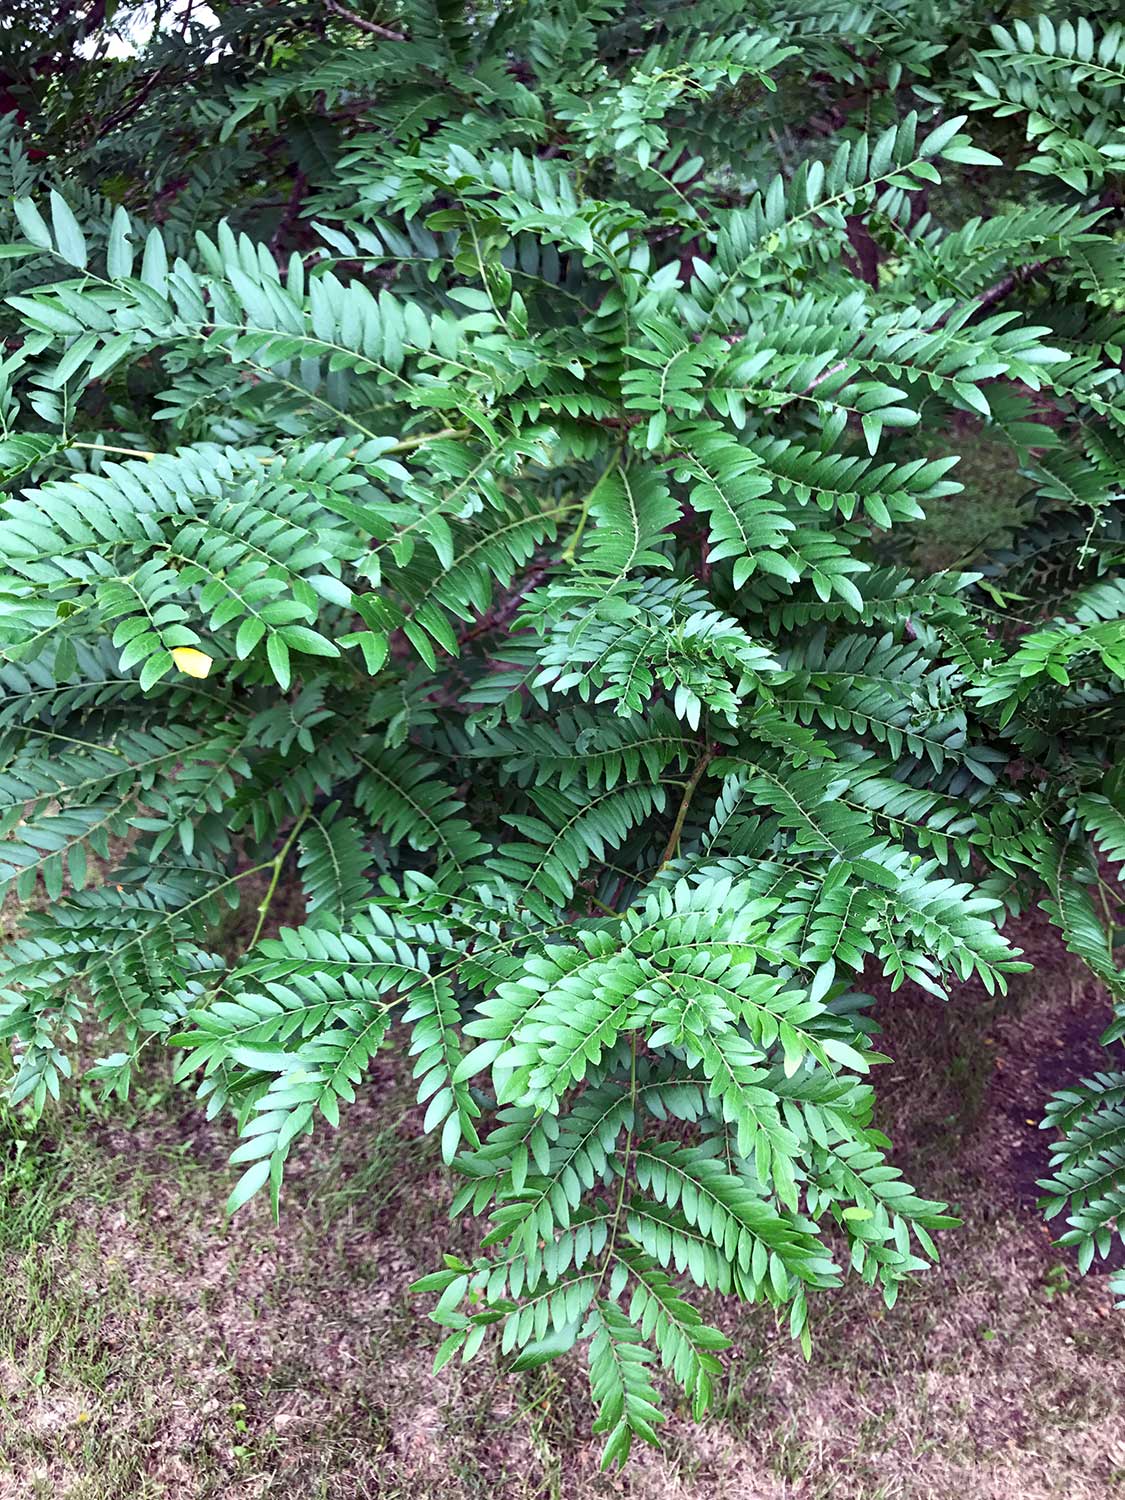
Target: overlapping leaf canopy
<point>475,466</point>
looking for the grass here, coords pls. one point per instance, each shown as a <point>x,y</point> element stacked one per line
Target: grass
<point>149,1348</point>
<point>983,517</point>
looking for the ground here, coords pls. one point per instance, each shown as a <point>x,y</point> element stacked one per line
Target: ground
<point>149,1348</point>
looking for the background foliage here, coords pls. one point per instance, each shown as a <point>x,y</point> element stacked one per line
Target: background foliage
<point>474,463</point>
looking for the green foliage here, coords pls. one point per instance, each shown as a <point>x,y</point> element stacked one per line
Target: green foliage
<point>463,471</point>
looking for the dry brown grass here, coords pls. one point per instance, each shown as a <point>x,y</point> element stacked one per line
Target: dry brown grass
<point>148,1349</point>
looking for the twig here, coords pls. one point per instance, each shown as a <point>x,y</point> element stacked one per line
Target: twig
<point>110,448</point>
<point>704,570</point>
<point>673,844</point>
<point>404,445</point>
<point>292,209</point>
<point>1000,289</point>
<point>363,23</point>
<point>624,1163</point>
<point>825,375</point>
<point>278,862</point>
<point>499,616</point>
<point>987,299</point>
<point>128,110</point>
<point>866,249</point>
<point>571,547</point>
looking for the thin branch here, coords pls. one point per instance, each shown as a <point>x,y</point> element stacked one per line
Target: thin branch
<point>987,299</point>
<point>404,445</point>
<point>278,862</point>
<point>624,1164</point>
<point>363,23</point>
<point>292,210</point>
<point>572,546</point>
<point>1007,284</point>
<point>128,110</point>
<point>825,375</point>
<point>502,613</point>
<point>673,844</point>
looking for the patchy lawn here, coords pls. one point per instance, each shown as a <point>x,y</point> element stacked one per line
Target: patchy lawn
<point>150,1349</point>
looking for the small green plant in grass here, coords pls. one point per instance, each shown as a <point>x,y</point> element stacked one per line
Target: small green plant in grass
<point>34,1189</point>
<point>461,463</point>
<point>1057,1282</point>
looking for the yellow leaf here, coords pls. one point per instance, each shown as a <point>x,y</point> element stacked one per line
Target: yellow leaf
<point>194,663</point>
